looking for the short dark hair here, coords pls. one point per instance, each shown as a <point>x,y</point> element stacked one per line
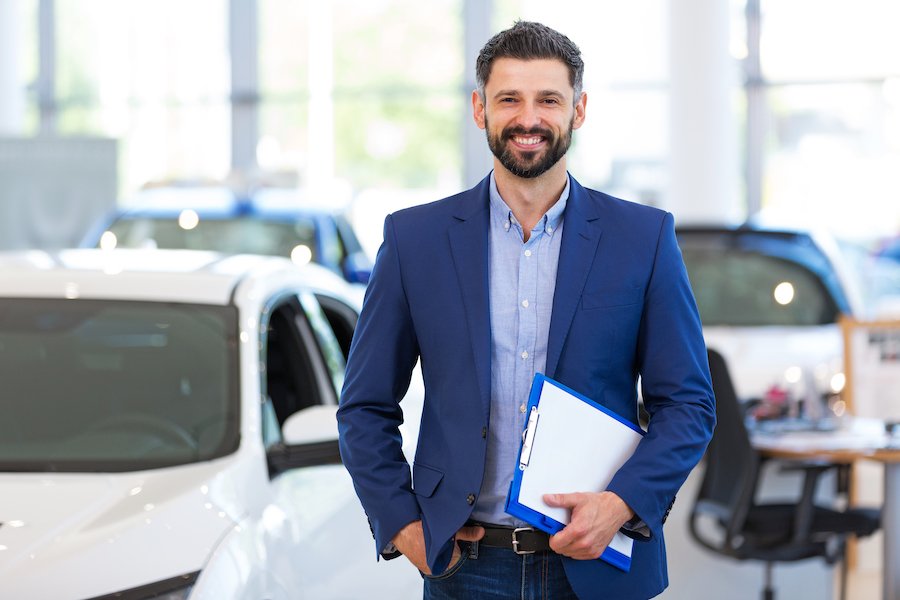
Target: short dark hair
<point>527,40</point>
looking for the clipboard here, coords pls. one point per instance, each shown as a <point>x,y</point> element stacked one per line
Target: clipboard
<point>570,444</point>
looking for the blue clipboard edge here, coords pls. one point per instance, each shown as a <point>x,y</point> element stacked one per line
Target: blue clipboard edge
<point>540,520</point>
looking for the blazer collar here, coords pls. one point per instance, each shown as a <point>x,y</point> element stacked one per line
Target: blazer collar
<point>469,248</point>
<point>581,236</point>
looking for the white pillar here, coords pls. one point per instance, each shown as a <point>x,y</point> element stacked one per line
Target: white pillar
<point>12,94</point>
<point>320,129</point>
<point>477,157</point>
<point>703,157</point>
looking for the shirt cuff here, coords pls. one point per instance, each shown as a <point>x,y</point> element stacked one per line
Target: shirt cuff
<point>637,528</point>
<point>390,552</point>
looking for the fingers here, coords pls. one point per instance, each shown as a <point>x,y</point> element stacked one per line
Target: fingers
<point>411,542</point>
<point>563,500</point>
<point>470,534</point>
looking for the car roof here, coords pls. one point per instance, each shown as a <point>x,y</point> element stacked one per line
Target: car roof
<point>221,202</point>
<point>189,276</point>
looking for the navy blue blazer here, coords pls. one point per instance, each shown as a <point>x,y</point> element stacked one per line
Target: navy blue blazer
<point>622,308</point>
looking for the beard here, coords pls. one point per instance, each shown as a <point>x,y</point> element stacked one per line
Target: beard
<point>528,165</point>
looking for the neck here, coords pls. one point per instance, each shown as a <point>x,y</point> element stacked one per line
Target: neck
<point>530,199</point>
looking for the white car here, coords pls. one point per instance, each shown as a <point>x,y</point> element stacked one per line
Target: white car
<point>167,431</point>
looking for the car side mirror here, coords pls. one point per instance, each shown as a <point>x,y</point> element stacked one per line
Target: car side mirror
<point>310,438</point>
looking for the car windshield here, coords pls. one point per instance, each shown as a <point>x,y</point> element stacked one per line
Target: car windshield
<point>741,287</point>
<point>237,235</point>
<point>102,386</point>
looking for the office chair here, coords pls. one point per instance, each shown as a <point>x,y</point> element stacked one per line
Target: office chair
<point>727,519</point>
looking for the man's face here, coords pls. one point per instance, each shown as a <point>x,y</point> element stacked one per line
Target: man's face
<point>528,114</point>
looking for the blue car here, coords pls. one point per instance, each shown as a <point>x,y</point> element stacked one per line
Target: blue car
<point>771,302</point>
<point>273,222</point>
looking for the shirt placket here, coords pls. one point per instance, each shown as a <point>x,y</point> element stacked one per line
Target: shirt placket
<point>527,317</point>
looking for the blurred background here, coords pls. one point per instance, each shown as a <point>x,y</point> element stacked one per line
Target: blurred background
<point>714,109</point>
<point>783,114</point>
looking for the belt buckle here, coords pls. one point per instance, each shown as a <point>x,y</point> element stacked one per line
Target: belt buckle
<point>515,540</point>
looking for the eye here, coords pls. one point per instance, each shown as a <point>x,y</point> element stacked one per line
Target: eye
<point>551,101</point>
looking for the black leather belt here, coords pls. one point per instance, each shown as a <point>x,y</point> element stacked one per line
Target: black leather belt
<point>521,540</point>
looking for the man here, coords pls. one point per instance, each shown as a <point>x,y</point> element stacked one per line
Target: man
<point>527,272</point>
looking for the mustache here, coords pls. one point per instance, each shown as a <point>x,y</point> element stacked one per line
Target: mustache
<point>509,132</point>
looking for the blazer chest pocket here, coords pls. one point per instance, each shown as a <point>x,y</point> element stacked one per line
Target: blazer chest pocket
<point>612,297</point>
<point>425,480</point>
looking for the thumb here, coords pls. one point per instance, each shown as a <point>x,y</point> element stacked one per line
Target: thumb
<point>470,534</point>
<point>562,500</point>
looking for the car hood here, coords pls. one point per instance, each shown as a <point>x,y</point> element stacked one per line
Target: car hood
<point>73,536</point>
<point>759,357</point>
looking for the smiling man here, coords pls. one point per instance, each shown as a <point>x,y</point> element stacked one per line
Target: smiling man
<point>527,272</point>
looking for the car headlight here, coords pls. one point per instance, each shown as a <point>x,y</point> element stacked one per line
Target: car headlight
<point>175,588</point>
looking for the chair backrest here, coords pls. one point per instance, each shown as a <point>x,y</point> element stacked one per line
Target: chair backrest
<point>732,466</point>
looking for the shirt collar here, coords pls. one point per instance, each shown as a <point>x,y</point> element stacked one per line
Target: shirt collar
<point>500,209</point>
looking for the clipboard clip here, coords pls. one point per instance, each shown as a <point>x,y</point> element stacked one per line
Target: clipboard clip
<point>528,438</point>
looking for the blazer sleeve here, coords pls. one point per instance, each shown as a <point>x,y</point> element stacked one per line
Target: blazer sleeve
<point>676,389</point>
<point>382,356</point>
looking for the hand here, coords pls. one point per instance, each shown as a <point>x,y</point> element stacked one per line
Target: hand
<point>410,541</point>
<point>596,517</point>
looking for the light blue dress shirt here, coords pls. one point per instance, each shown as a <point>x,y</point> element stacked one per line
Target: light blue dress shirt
<point>522,282</point>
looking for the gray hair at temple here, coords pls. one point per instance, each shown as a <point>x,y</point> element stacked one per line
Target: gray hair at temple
<point>527,40</point>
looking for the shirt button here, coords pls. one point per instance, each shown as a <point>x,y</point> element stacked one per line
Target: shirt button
<point>528,253</point>
<point>506,225</point>
<point>470,499</point>
<point>525,354</point>
<point>525,303</point>
<point>522,409</point>
<point>549,230</point>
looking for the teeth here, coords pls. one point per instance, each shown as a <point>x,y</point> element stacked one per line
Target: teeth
<point>527,141</point>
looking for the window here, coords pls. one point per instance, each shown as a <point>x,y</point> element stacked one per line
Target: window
<point>115,386</point>
<point>153,74</point>
<point>831,114</point>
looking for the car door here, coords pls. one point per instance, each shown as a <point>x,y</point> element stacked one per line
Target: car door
<point>325,550</point>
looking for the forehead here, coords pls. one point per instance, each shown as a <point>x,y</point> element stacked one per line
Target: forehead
<point>525,75</point>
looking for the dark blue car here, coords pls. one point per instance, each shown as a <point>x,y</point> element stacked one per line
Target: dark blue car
<point>270,222</point>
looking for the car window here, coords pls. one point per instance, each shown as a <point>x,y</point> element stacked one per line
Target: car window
<point>744,288</point>
<point>229,235</point>
<point>295,372</point>
<point>115,386</point>
<point>342,319</point>
<point>328,343</point>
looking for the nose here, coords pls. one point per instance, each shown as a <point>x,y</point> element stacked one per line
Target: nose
<point>528,116</point>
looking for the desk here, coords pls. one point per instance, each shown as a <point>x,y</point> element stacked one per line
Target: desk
<point>857,439</point>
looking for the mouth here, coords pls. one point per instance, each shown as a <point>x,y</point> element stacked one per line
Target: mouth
<point>529,140</point>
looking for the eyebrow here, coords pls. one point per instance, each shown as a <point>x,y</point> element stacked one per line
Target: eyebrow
<point>542,93</point>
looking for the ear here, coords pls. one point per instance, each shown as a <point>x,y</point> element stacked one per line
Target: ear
<point>580,106</point>
<point>478,109</point>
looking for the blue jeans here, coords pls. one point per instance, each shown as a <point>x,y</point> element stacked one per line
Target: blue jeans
<point>484,573</point>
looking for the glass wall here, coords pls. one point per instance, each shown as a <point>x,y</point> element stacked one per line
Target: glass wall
<point>831,76</point>
<point>154,75</point>
<point>19,113</point>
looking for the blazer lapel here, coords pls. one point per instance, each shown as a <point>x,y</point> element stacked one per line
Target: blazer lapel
<point>581,235</point>
<point>469,247</point>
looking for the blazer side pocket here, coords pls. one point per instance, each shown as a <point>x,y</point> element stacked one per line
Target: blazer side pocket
<point>425,480</point>
<point>610,298</point>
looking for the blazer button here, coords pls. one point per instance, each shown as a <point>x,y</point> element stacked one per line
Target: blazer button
<point>470,499</point>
